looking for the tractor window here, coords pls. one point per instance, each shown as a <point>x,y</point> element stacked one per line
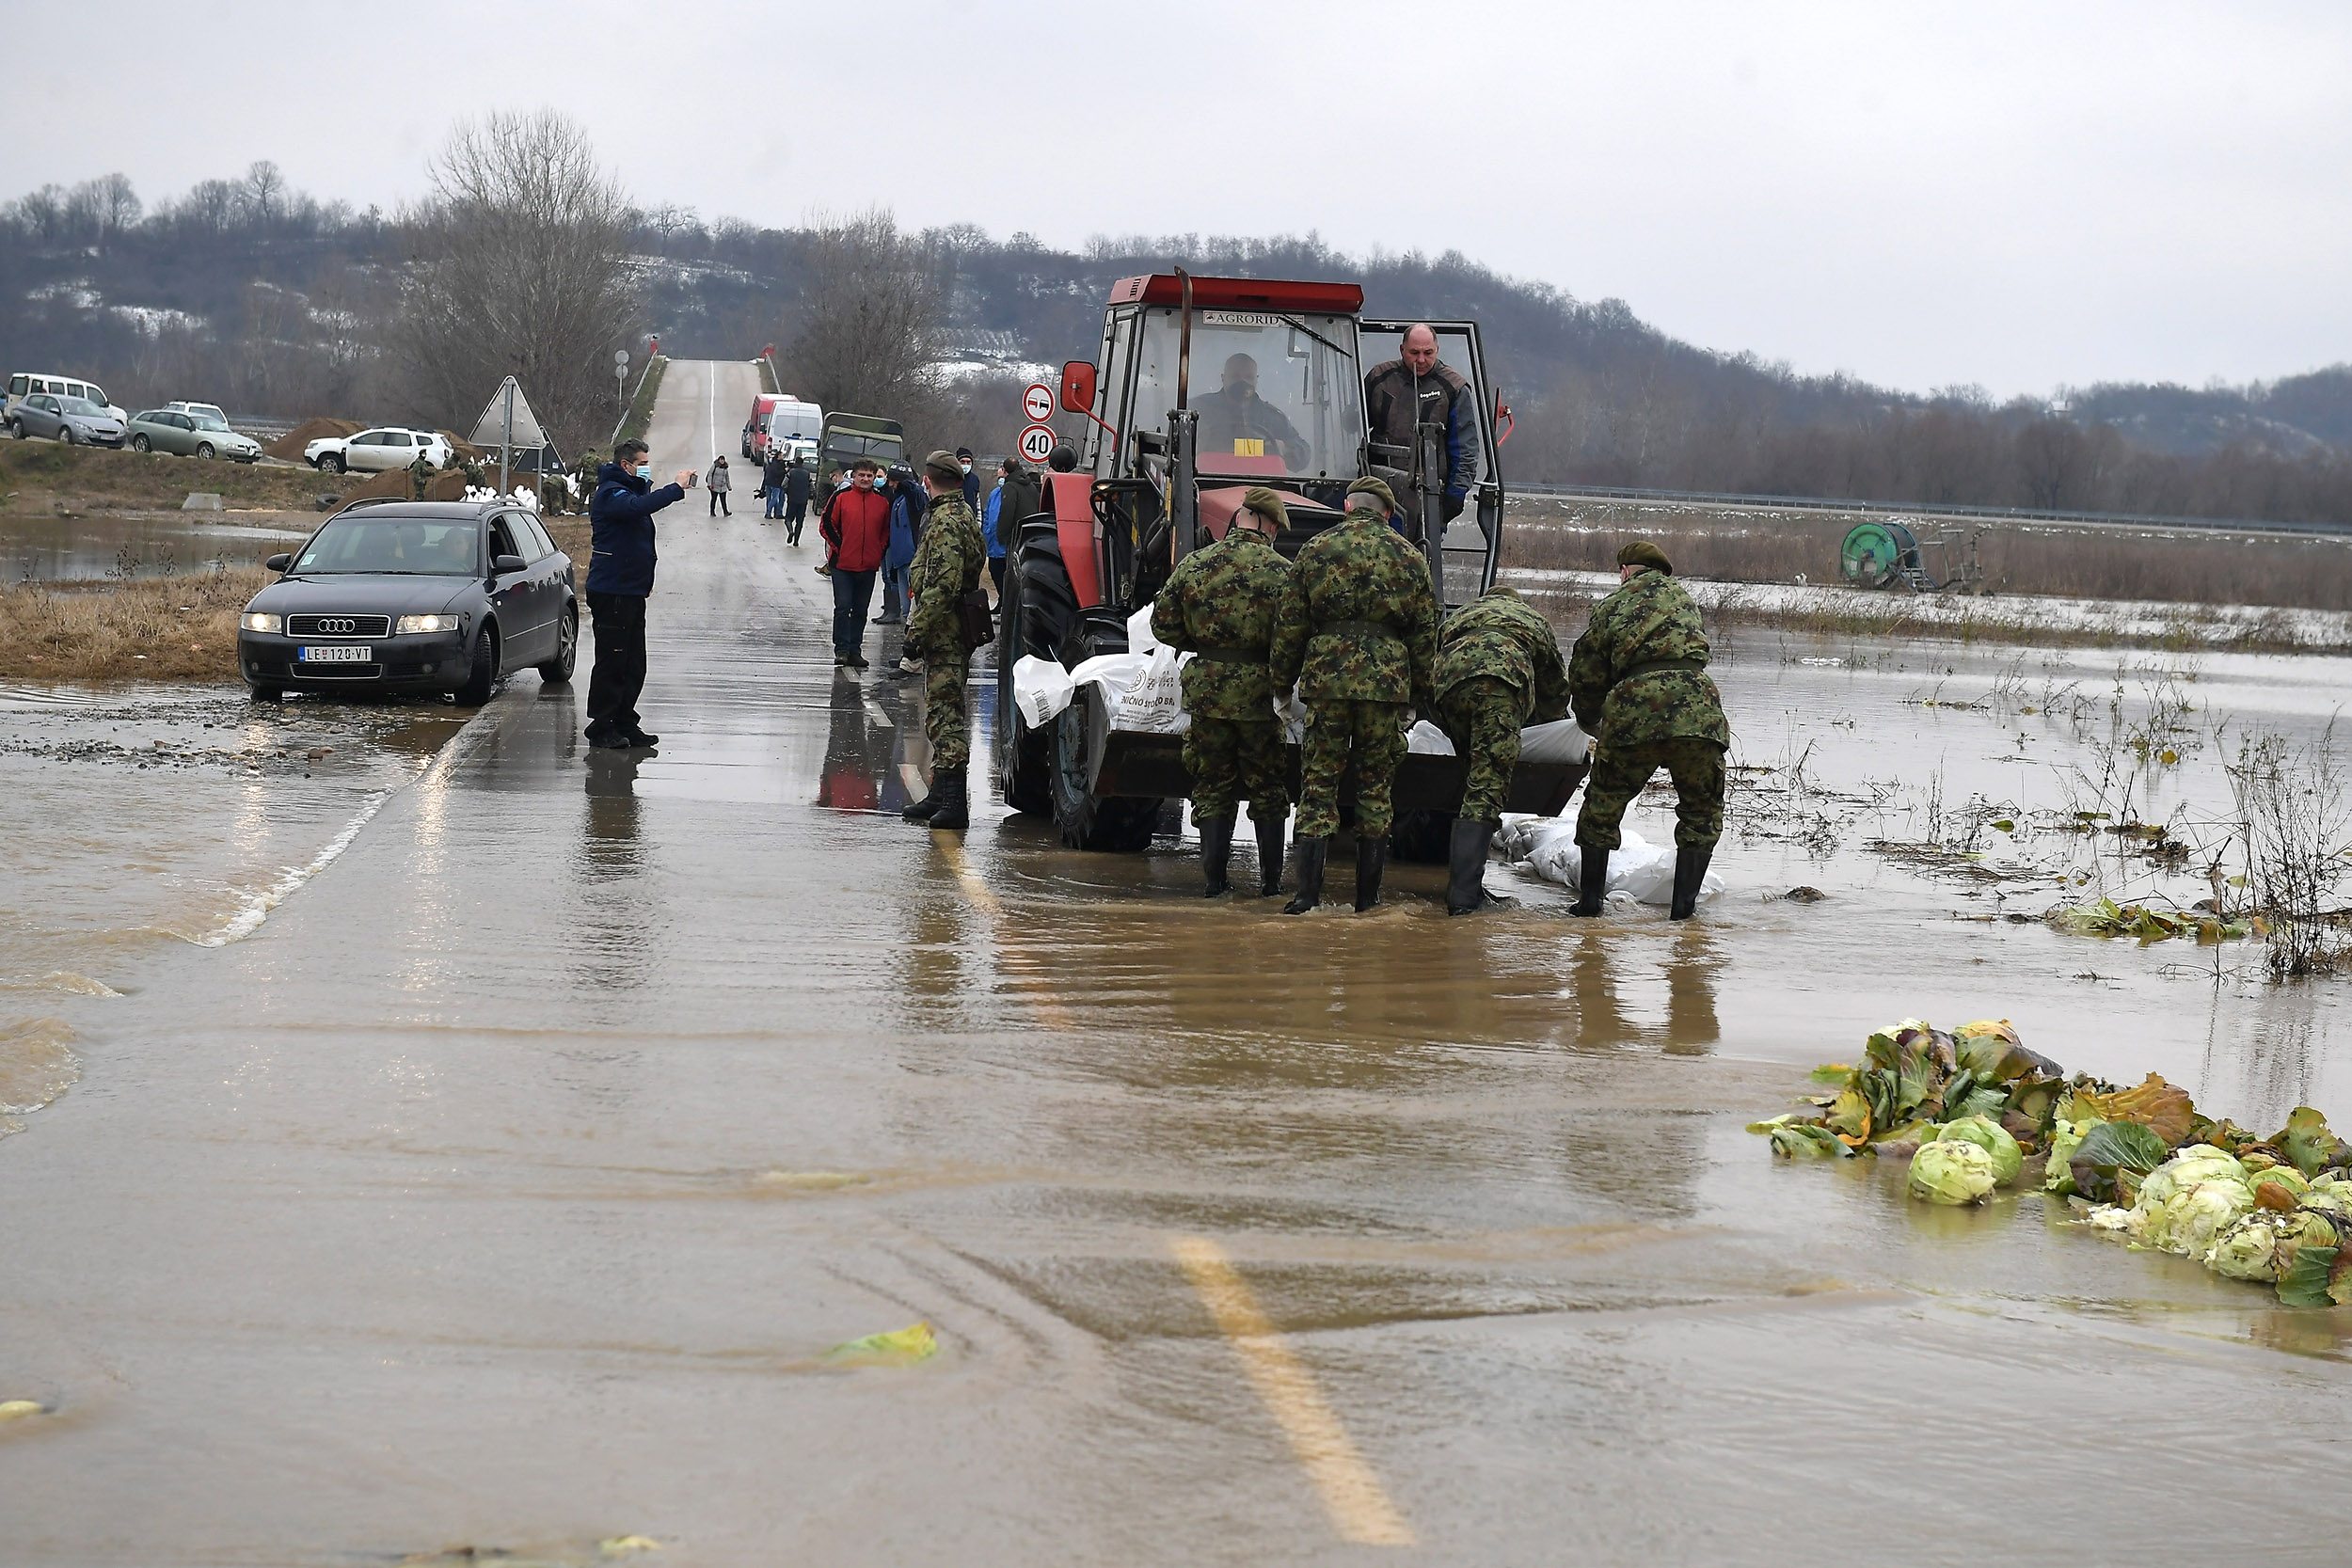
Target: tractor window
<point>1277,395</point>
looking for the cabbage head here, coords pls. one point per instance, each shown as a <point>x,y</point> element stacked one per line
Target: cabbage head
<point>2333,1198</point>
<point>2187,1221</point>
<point>1991,1137</point>
<point>2262,1247</point>
<point>2285,1176</point>
<point>2195,1164</point>
<point>2058,1175</point>
<point>1953,1172</point>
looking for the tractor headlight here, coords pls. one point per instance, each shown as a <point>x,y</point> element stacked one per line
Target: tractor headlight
<point>410,623</point>
<point>251,622</point>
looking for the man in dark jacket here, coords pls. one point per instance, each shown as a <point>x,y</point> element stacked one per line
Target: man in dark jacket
<point>796,485</point>
<point>772,481</point>
<point>620,577</point>
<point>1416,388</point>
<point>971,479</point>
<point>854,523</point>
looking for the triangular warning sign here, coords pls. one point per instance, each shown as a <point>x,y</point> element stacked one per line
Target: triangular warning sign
<point>494,429</point>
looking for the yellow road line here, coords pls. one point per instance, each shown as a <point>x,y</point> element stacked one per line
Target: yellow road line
<point>1361,1508</point>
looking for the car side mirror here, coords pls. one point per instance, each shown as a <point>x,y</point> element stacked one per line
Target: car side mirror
<point>277,563</point>
<point>505,563</point>
<point>1077,387</point>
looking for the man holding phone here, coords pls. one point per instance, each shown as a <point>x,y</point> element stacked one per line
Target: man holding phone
<point>620,578</point>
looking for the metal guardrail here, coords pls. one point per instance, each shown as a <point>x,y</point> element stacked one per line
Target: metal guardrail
<point>1922,509</point>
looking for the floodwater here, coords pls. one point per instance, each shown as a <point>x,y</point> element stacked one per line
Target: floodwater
<point>505,1186</point>
<point>139,544</point>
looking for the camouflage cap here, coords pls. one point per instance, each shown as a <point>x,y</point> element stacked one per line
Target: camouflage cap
<point>1267,504</point>
<point>1375,488</point>
<point>1642,553</point>
<point>942,467</point>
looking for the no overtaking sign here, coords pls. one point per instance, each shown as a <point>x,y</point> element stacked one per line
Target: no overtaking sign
<point>1038,403</point>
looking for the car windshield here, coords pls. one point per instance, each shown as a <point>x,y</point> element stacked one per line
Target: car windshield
<point>79,406</point>
<point>416,547</point>
<point>207,422</point>
<point>798,423</point>
<point>1278,393</point>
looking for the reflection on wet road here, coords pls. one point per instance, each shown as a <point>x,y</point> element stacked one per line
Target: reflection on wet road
<point>506,1185</point>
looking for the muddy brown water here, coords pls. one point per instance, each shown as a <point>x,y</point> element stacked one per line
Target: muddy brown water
<point>504,1184</point>
<point>141,544</point>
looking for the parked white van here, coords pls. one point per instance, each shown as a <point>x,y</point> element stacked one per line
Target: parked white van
<point>25,383</point>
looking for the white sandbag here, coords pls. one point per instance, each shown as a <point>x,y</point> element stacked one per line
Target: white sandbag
<point>1040,690</point>
<point>1154,702</point>
<point>1643,871</point>
<point>1558,742</point>
<point>1425,739</point>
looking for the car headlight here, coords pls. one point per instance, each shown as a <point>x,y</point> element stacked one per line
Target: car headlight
<point>251,622</point>
<point>426,622</point>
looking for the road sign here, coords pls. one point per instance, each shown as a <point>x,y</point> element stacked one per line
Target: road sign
<point>620,372</point>
<point>1038,403</point>
<point>1036,442</point>
<point>620,357</point>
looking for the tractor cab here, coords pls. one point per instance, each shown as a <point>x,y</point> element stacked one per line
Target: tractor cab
<point>1201,388</point>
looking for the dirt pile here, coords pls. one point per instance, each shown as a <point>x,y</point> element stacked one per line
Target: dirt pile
<point>290,445</point>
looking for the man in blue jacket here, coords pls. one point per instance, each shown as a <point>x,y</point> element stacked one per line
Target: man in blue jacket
<point>620,577</point>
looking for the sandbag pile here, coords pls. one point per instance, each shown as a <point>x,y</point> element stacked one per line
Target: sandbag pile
<point>1967,1107</point>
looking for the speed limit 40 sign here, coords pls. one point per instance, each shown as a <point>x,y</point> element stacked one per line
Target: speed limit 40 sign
<point>1037,401</point>
<point>1036,442</point>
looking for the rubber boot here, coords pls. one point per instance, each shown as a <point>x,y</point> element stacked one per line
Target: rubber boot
<point>954,809</point>
<point>1466,882</point>
<point>1270,857</point>
<point>1690,872</point>
<point>1217,853</point>
<point>1312,853</point>
<point>927,807</point>
<point>1372,854</point>
<point>1591,880</point>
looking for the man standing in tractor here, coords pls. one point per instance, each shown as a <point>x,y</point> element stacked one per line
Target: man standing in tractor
<point>1417,387</point>
<point>1499,669</point>
<point>1360,635</point>
<point>1222,604</point>
<point>1638,682</point>
<point>947,567</point>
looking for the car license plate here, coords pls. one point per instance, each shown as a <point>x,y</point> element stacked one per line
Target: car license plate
<point>344,654</point>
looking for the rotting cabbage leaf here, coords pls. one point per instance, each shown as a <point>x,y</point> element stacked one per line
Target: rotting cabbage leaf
<point>2057,1175</point>
<point>1951,1172</point>
<point>2113,1156</point>
<point>1800,1140</point>
<point>2263,1245</point>
<point>2164,1108</point>
<point>2308,1142</point>
<point>2315,1277</point>
<point>1994,1139</point>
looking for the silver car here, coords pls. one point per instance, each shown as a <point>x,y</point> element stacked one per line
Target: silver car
<point>76,421</point>
<point>189,433</point>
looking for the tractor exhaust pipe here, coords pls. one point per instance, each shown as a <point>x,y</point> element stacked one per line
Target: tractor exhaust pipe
<point>1184,440</point>
<point>1183,341</point>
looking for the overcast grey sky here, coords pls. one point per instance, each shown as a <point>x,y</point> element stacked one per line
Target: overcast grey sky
<point>2016,195</point>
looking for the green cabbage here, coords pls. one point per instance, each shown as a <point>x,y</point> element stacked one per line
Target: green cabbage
<point>1991,1137</point>
<point>2187,1221</point>
<point>2262,1247</point>
<point>2287,1176</point>
<point>1950,1171</point>
<point>2197,1162</point>
<point>2057,1175</point>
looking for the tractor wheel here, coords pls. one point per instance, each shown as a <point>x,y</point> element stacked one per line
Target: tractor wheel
<point>1117,825</point>
<point>1026,615</point>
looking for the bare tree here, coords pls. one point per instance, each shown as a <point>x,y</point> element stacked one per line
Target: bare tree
<point>868,326</point>
<point>118,206</point>
<point>520,266</point>
<point>263,184</point>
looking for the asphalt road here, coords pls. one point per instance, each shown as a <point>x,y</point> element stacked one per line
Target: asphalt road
<point>508,1187</point>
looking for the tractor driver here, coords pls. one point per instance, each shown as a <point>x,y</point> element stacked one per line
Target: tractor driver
<point>1235,413</point>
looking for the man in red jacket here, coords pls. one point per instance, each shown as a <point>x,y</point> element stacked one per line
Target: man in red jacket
<point>854,524</point>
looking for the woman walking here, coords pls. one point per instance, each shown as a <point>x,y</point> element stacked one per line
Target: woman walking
<point>719,485</point>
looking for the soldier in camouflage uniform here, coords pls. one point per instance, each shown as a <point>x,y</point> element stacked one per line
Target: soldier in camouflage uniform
<point>419,475</point>
<point>1499,669</point>
<point>1358,635</point>
<point>1638,682</point>
<point>948,560</point>
<point>1221,603</point>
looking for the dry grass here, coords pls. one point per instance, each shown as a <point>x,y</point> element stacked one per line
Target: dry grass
<point>1734,546</point>
<point>181,628</point>
<point>49,478</point>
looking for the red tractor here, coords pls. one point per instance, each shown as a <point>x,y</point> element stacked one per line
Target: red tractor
<point>1203,387</point>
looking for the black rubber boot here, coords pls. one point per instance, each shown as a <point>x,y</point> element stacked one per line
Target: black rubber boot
<point>1270,857</point>
<point>1466,860</point>
<point>1689,871</point>
<point>1217,853</point>
<point>1592,881</point>
<point>1311,852</point>
<point>927,807</point>
<point>1371,855</point>
<point>955,810</point>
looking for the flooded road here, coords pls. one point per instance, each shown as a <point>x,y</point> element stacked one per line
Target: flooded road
<point>507,1186</point>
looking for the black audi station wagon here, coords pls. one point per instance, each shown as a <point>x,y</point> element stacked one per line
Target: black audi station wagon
<point>414,596</point>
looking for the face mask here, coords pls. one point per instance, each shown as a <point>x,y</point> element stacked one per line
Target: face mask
<point>965,467</point>
<point>644,471</point>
